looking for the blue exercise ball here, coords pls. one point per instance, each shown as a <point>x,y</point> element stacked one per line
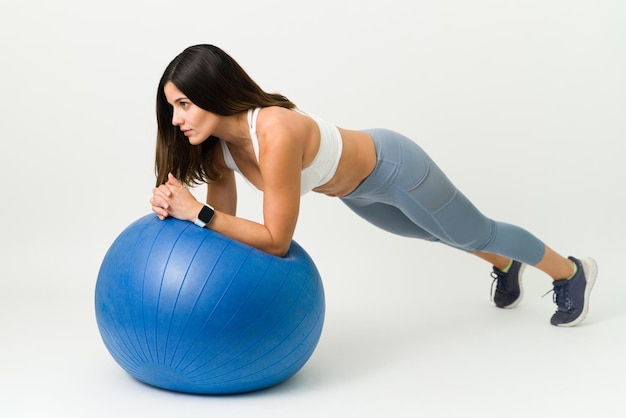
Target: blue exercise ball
<point>186,309</point>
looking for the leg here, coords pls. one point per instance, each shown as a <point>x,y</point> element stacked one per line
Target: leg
<point>417,199</point>
<point>407,184</point>
<point>507,275</point>
<point>498,261</point>
<point>553,264</point>
<point>388,218</point>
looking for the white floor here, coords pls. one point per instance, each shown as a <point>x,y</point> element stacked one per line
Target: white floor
<point>396,347</point>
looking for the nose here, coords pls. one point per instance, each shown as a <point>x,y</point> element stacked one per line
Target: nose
<point>176,119</point>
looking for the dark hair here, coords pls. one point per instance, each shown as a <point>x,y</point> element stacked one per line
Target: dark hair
<point>215,82</point>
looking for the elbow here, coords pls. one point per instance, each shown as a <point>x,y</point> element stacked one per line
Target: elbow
<point>279,249</point>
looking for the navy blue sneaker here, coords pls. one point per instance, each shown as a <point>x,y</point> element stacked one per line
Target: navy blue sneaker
<point>509,289</point>
<point>572,296</point>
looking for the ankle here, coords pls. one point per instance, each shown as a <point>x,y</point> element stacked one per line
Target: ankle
<point>574,269</point>
<point>505,267</point>
<point>571,271</point>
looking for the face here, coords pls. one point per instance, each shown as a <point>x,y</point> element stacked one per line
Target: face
<point>196,123</point>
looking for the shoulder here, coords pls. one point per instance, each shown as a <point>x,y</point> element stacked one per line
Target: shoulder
<point>275,115</point>
<point>282,135</point>
<point>280,121</point>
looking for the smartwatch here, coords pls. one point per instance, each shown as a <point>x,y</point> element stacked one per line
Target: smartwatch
<point>204,216</point>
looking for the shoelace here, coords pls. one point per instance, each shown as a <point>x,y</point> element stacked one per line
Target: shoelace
<point>496,278</point>
<point>559,294</point>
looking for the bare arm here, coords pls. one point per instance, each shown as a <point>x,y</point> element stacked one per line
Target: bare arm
<point>222,194</point>
<point>280,165</point>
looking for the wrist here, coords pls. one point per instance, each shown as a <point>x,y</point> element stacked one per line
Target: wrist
<point>193,213</point>
<point>205,215</point>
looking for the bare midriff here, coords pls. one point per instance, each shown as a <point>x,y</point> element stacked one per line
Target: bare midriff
<point>357,161</point>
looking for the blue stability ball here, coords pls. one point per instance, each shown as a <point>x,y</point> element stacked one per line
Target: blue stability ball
<point>187,309</point>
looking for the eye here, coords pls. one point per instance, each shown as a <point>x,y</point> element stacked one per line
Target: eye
<point>184,105</point>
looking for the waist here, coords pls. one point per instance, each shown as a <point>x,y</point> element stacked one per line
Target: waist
<point>324,165</point>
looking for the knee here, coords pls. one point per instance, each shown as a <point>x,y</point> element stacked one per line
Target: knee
<point>474,236</point>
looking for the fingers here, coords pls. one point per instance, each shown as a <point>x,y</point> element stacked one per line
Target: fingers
<point>159,201</point>
<point>164,190</point>
<point>173,180</point>
<point>160,212</point>
<point>173,199</point>
<point>159,207</point>
<point>161,196</point>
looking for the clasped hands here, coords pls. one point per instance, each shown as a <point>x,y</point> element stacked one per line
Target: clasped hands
<point>173,199</point>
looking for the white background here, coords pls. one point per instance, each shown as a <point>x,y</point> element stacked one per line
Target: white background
<point>522,103</point>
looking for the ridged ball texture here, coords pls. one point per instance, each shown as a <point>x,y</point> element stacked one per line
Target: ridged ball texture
<point>186,309</point>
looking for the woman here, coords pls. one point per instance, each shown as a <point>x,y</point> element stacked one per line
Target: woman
<point>213,120</point>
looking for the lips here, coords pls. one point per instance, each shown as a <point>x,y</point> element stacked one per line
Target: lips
<point>186,132</point>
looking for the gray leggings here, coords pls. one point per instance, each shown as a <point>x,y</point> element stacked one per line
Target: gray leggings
<point>407,194</point>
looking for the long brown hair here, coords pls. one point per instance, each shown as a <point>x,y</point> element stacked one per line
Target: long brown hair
<point>215,82</point>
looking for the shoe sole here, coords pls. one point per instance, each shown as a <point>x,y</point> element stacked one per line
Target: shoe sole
<point>590,267</point>
<point>521,289</point>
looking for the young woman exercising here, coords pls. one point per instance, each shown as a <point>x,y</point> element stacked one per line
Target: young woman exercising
<point>213,120</point>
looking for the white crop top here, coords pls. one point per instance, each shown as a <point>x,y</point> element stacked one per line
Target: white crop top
<point>323,166</point>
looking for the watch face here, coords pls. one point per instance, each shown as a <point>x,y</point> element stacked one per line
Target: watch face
<point>206,214</point>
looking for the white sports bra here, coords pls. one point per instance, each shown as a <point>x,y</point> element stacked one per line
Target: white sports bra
<point>323,166</point>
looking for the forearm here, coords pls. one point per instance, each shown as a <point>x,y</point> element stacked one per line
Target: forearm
<point>273,236</point>
<point>249,232</point>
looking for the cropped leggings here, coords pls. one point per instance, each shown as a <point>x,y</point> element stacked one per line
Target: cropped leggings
<point>408,194</point>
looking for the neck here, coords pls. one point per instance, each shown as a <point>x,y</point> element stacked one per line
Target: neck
<point>234,129</point>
